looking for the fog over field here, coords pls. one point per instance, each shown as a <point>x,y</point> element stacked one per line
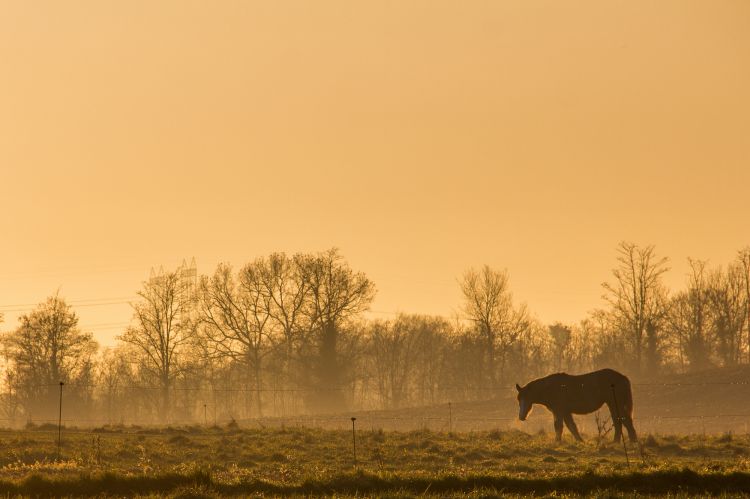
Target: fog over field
<point>286,336</point>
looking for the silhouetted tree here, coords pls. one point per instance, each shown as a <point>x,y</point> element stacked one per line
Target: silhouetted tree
<point>395,348</point>
<point>689,318</point>
<point>534,354</point>
<point>561,338</point>
<point>743,263</point>
<point>461,379</point>
<point>430,358</point>
<point>610,344</point>
<point>238,312</point>
<point>581,349</point>
<point>726,294</point>
<point>637,298</point>
<point>113,375</point>
<point>337,294</point>
<point>48,347</point>
<point>488,304</point>
<point>163,323</point>
<point>284,281</point>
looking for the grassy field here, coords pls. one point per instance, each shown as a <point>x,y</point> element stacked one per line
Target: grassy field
<point>227,461</point>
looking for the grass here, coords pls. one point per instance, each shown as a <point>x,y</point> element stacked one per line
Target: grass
<point>216,462</point>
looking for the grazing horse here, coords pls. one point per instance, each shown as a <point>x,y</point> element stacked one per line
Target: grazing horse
<point>565,395</point>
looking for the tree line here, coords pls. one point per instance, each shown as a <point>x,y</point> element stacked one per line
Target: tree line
<point>286,334</point>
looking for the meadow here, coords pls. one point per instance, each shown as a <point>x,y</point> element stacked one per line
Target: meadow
<point>227,461</point>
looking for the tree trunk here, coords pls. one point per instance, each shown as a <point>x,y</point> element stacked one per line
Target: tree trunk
<point>491,358</point>
<point>258,386</point>
<point>165,407</point>
<point>639,350</point>
<point>330,396</point>
<point>652,349</point>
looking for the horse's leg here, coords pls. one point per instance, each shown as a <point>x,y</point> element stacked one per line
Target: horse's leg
<point>558,427</point>
<point>616,421</point>
<point>628,422</point>
<point>571,424</point>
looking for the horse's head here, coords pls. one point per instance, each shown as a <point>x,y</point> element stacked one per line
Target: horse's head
<point>524,402</point>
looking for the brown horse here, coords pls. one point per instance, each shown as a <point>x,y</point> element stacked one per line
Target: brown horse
<point>565,395</point>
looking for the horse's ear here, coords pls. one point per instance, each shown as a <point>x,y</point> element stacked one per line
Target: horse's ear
<point>518,387</point>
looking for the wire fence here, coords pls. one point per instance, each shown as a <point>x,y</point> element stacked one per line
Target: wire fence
<point>463,415</point>
<point>738,423</point>
<point>497,389</point>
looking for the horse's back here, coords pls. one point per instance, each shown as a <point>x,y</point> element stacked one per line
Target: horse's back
<point>585,393</point>
<point>605,376</point>
<point>599,385</point>
<point>606,383</point>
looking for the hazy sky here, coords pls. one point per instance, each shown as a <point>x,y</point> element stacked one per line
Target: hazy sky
<point>419,137</point>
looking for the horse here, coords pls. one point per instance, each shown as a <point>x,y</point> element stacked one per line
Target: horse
<point>564,395</point>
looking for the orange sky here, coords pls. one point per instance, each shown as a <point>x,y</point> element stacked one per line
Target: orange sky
<point>420,137</point>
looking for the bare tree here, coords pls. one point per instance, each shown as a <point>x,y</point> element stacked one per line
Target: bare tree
<point>610,344</point>
<point>561,338</point>
<point>48,348</point>
<point>430,358</point>
<point>113,374</point>
<point>394,349</point>
<point>461,377</point>
<point>726,293</point>
<point>10,403</point>
<point>582,347</point>
<point>743,261</point>
<point>638,298</point>
<point>163,324</point>
<point>238,312</point>
<point>284,281</point>
<point>689,318</point>
<point>488,304</point>
<point>337,295</point>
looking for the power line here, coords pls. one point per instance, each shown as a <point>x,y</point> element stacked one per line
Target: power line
<point>96,302</point>
<point>105,328</point>
<point>78,303</point>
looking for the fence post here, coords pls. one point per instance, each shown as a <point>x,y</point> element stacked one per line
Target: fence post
<point>354,441</point>
<point>450,418</point>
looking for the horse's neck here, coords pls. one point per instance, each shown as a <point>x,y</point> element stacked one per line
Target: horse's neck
<point>544,390</point>
<point>538,392</point>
